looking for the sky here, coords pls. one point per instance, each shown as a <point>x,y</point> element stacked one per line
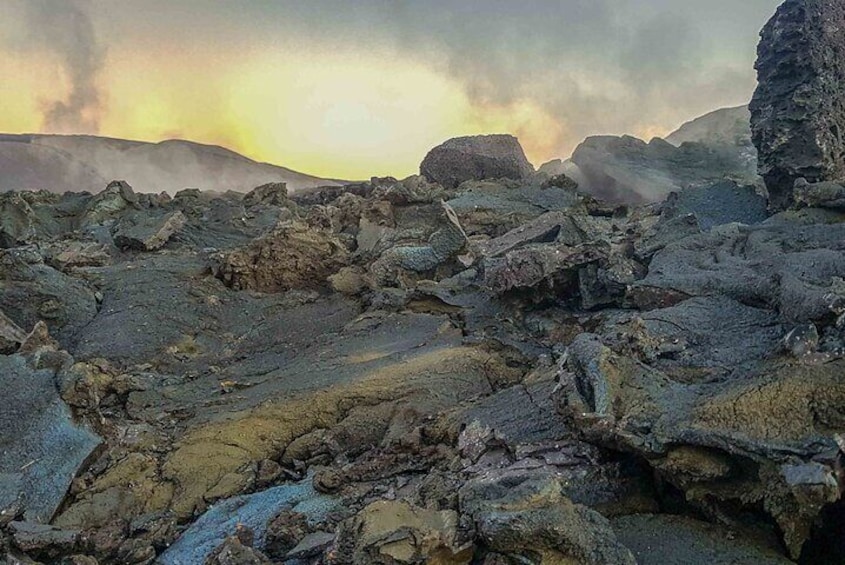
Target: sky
<point>360,88</point>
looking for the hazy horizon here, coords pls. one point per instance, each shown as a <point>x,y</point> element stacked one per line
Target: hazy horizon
<point>350,92</point>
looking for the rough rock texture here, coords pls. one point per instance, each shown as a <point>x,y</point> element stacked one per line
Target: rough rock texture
<point>561,364</point>
<point>293,256</point>
<point>144,233</point>
<point>475,158</point>
<point>43,448</point>
<point>388,533</point>
<point>798,113</point>
<point>631,171</point>
<point>533,520</point>
<point>718,204</point>
<point>252,512</point>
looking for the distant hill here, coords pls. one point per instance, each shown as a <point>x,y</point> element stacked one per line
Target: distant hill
<point>61,163</point>
<point>703,151</point>
<point>729,126</point>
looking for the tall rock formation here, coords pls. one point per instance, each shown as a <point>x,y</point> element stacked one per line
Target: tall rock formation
<point>798,110</point>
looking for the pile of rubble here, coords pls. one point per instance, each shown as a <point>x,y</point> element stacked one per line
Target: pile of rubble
<point>480,371</point>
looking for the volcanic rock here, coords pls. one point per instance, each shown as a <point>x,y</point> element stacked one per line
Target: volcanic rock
<point>43,540</point>
<point>271,194</point>
<point>798,113</point>
<point>690,542</point>
<point>476,158</point>
<point>293,256</point>
<point>830,194</point>
<point>630,171</point>
<point>389,533</point>
<point>253,512</point>
<point>234,552</point>
<point>533,517</point>
<point>42,446</point>
<point>147,233</point>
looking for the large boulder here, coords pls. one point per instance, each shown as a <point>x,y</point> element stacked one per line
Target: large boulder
<point>798,114</point>
<point>476,158</point>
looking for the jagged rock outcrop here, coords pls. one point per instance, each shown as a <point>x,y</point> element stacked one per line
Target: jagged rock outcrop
<point>798,110</point>
<point>388,533</point>
<point>293,256</point>
<point>523,374</point>
<point>146,232</point>
<point>476,158</point>
<point>628,170</point>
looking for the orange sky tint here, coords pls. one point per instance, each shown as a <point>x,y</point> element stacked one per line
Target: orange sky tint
<point>346,91</point>
<point>335,116</point>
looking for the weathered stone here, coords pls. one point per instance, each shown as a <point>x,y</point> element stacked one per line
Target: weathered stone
<point>293,256</point>
<point>797,113</point>
<point>284,532</point>
<point>394,532</point>
<point>147,233</point>
<point>41,443</point>
<point>717,204</point>
<point>11,336</point>
<point>109,204</point>
<point>475,158</point>
<point>66,255</point>
<point>250,511</point>
<point>31,291</point>
<point>533,518</point>
<point>534,265</point>
<point>443,245</point>
<point>311,546</point>
<point>234,552</point>
<point>830,194</point>
<point>271,194</point>
<point>40,539</point>
<point>676,540</point>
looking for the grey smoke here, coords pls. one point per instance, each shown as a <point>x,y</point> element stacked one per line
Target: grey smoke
<point>594,66</point>
<point>64,28</point>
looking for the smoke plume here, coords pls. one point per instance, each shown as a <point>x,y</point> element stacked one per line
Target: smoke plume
<point>64,28</point>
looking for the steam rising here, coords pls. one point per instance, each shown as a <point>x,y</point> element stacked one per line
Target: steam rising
<point>64,28</point>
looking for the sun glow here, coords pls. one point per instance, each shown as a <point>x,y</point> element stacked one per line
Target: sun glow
<point>339,115</point>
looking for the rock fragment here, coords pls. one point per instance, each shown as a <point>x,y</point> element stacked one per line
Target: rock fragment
<point>271,194</point>
<point>395,532</point>
<point>147,233</point>
<point>42,444</point>
<point>293,256</point>
<point>829,194</point>
<point>475,158</point>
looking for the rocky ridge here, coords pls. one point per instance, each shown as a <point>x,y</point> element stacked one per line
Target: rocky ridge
<point>491,370</point>
<point>507,371</point>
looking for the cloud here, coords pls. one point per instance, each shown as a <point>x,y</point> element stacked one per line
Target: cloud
<point>591,66</point>
<point>65,30</point>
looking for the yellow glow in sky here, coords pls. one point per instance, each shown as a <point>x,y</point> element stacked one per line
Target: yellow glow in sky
<point>334,115</point>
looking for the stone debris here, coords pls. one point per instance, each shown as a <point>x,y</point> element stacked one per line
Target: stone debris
<point>143,233</point>
<point>476,365</point>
